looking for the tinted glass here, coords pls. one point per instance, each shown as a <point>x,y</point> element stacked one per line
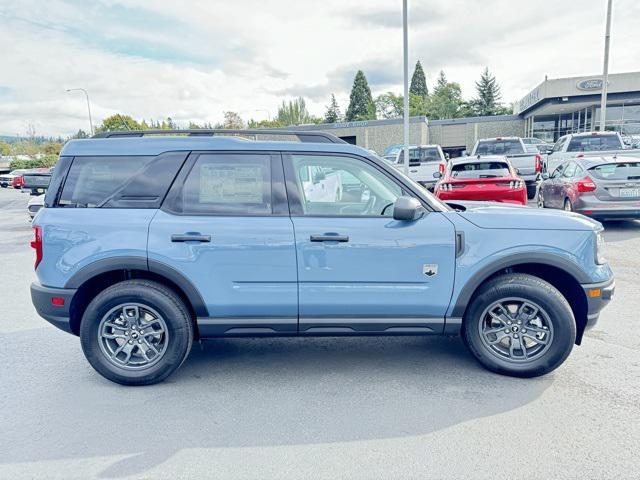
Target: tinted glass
<point>499,147</point>
<point>421,155</point>
<point>594,143</point>
<point>342,186</point>
<point>480,170</point>
<point>617,171</point>
<point>228,184</point>
<point>92,180</point>
<point>570,171</point>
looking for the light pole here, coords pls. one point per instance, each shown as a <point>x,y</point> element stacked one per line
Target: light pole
<point>86,94</point>
<point>405,46</point>
<point>605,69</point>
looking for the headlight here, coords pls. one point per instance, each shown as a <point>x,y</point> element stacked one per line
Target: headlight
<point>600,248</point>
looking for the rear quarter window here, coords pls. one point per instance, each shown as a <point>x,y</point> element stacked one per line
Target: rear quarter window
<point>120,182</point>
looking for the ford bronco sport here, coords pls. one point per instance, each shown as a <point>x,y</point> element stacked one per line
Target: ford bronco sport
<point>149,242</point>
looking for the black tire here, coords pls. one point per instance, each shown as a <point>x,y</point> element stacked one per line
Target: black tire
<point>149,294</point>
<point>567,206</point>
<point>531,191</point>
<point>531,289</point>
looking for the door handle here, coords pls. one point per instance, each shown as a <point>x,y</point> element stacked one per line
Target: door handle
<point>329,238</point>
<point>188,237</point>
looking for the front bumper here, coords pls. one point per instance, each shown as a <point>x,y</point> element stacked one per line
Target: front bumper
<point>598,296</point>
<point>57,315</point>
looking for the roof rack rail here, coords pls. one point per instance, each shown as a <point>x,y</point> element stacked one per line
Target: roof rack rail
<point>303,136</point>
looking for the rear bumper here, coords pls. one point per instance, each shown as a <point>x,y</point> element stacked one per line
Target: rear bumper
<point>598,296</point>
<point>58,316</point>
<point>611,214</point>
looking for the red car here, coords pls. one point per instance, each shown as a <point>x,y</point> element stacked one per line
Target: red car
<point>490,178</point>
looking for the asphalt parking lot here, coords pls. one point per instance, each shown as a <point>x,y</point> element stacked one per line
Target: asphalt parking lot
<point>316,408</point>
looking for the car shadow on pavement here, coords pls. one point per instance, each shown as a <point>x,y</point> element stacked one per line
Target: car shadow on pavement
<point>620,230</point>
<point>245,393</point>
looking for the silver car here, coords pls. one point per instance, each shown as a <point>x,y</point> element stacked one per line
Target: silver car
<point>606,188</point>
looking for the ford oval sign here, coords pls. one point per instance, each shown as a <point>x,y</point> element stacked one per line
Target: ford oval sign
<point>590,84</point>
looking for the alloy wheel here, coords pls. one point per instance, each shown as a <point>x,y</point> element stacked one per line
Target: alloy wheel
<point>133,336</point>
<point>516,330</point>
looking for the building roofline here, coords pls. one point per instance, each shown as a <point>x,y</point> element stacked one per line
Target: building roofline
<point>463,120</point>
<point>358,123</point>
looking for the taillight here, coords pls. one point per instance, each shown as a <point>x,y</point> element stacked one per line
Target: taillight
<point>36,244</point>
<point>538,163</point>
<point>441,167</point>
<point>585,185</point>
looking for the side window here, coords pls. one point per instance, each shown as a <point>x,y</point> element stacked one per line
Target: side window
<point>227,184</point>
<point>342,186</point>
<point>558,171</point>
<point>93,180</point>
<point>570,170</point>
<point>558,146</point>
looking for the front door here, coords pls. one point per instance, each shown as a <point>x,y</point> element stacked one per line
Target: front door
<point>359,270</point>
<point>225,227</point>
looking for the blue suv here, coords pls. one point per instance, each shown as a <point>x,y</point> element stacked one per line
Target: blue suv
<point>149,242</point>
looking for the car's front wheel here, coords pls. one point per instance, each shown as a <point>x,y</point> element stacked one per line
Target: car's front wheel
<point>519,325</point>
<point>136,332</point>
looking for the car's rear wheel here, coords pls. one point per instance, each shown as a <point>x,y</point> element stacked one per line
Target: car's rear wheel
<point>136,332</point>
<point>568,206</point>
<point>519,325</point>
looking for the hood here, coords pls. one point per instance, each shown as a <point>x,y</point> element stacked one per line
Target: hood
<point>492,215</point>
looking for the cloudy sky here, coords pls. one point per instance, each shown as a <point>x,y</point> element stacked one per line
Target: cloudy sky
<point>153,59</point>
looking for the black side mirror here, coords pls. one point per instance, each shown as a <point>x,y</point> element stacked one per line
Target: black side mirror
<point>407,209</point>
<point>437,175</point>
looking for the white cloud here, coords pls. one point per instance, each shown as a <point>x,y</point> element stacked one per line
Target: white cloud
<point>157,59</point>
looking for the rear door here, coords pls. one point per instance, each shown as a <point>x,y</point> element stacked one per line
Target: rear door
<point>225,226</point>
<point>359,270</point>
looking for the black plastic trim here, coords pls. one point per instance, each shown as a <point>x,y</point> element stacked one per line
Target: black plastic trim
<point>511,261</point>
<point>140,263</point>
<point>58,316</point>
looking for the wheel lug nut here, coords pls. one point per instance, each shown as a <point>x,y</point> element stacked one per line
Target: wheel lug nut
<point>130,342</point>
<point>524,330</point>
<point>515,335</point>
<point>519,322</point>
<point>506,331</point>
<point>509,322</point>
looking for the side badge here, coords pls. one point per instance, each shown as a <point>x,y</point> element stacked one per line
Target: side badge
<point>430,269</point>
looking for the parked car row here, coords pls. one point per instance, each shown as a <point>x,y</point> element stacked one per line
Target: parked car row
<point>18,179</point>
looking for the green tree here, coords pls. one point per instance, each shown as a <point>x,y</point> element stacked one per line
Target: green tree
<point>361,105</point>
<point>232,120</point>
<point>5,148</point>
<point>389,105</point>
<point>446,100</point>
<point>332,115</point>
<point>52,148</point>
<point>418,81</point>
<point>294,112</point>
<point>118,122</point>
<point>487,101</point>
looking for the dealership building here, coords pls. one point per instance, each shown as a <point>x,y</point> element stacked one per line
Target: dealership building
<point>553,108</point>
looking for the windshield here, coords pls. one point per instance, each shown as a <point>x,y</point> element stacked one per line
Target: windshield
<point>617,171</point>
<point>595,143</point>
<point>499,147</point>
<point>436,203</point>
<point>421,155</point>
<point>480,170</point>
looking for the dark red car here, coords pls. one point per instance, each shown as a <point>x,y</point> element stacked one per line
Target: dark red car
<point>490,178</point>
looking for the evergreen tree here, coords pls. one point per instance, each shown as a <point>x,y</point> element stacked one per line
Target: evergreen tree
<point>418,82</point>
<point>361,106</point>
<point>446,100</point>
<point>332,115</point>
<point>488,97</point>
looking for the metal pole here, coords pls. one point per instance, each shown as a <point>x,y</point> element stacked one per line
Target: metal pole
<point>86,94</point>
<point>605,70</point>
<point>406,86</point>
